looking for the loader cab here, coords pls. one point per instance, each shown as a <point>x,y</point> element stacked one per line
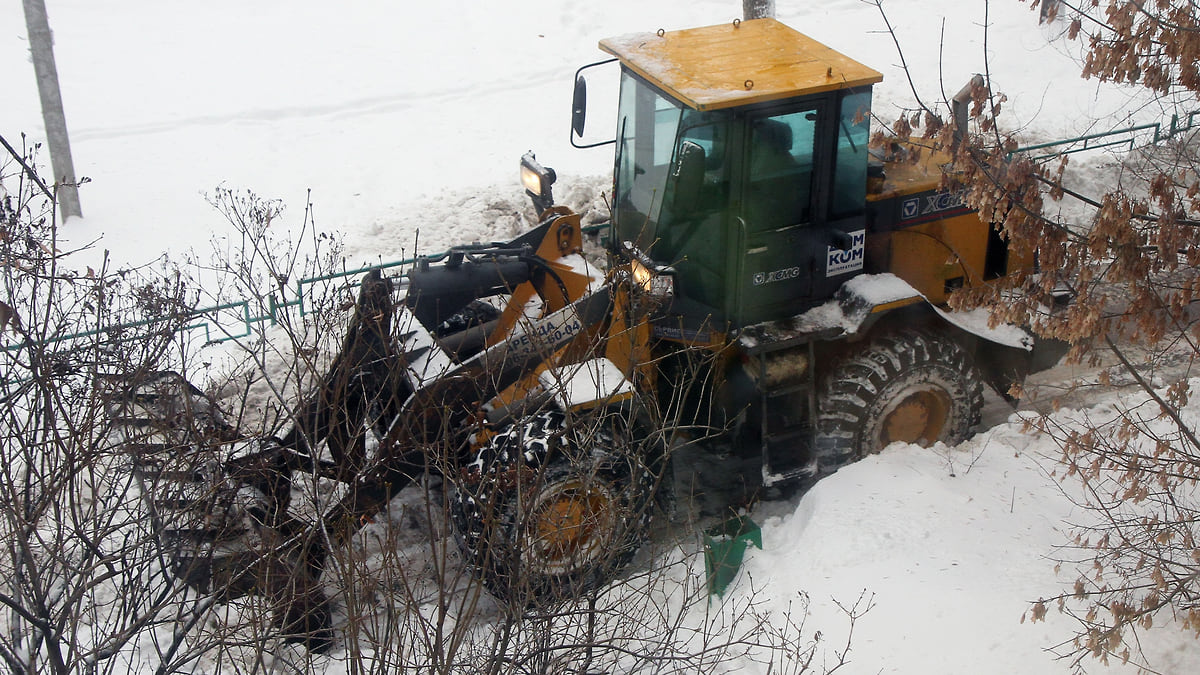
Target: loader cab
<point>741,162</point>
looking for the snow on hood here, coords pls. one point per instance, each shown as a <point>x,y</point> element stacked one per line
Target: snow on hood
<point>845,313</point>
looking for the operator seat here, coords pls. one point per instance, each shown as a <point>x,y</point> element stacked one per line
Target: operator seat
<point>778,185</point>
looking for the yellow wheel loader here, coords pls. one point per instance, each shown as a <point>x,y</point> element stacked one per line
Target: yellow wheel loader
<point>773,288</point>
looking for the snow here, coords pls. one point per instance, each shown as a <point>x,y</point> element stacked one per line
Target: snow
<point>589,382</point>
<point>844,314</point>
<point>978,321</point>
<point>854,302</point>
<point>952,542</point>
<point>878,289</point>
<point>407,123</point>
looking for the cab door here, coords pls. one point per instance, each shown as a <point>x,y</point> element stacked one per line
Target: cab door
<point>778,248</point>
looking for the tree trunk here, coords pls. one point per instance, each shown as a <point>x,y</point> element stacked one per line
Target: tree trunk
<point>758,9</point>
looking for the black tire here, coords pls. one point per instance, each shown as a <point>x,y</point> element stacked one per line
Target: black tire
<point>553,508</point>
<point>910,386</point>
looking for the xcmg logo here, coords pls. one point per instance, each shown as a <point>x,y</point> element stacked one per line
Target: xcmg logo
<point>928,205</point>
<point>784,274</point>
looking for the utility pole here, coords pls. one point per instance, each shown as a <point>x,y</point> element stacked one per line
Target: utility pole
<point>758,9</point>
<point>1049,11</point>
<point>41,44</point>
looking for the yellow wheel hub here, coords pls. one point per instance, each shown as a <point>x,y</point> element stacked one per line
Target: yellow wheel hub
<point>570,525</point>
<point>920,418</point>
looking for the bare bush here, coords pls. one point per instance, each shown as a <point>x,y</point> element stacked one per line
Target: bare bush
<point>153,525</point>
<point>1127,256</point>
<point>84,580</point>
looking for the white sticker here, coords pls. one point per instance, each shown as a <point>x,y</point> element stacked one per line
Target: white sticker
<point>546,335</point>
<point>850,260</point>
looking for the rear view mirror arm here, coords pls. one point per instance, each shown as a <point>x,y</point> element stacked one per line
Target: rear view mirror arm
<point>579,107</point>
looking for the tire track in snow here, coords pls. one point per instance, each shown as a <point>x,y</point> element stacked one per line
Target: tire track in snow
<point>377,105</point>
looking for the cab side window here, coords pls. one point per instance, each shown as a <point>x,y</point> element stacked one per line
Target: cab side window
<point>850,172</point>
<point>713,138</point>
<point>779,175</point>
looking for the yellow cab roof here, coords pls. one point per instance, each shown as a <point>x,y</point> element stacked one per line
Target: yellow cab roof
<point>737,63</point>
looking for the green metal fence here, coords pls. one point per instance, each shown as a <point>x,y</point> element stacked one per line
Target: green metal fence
<point>244,308</point>
<point>1127,137</point>
<point>217,324</point>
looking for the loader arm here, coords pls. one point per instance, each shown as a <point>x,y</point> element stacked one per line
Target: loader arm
<point>447,399</point>
<point>362,376</point>
<point>432,431</point>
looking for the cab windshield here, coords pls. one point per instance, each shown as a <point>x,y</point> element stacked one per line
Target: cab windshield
<point>647,123</point>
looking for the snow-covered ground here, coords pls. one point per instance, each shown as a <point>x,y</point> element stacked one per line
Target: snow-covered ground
<point>395,116</point>
<point>402,117</point>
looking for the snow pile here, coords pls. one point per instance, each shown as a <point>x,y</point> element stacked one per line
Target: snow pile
<point>952,543</point>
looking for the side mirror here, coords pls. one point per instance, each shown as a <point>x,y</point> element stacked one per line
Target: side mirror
<point>579,107</point>
<point>841,241</point>
<point>689,176</point>
<point>579,104</point>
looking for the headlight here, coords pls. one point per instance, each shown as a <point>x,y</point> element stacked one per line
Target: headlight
<point>537,180</point>
<point>641,274</point>
<point>658,283</point>
<point>531,180</point>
